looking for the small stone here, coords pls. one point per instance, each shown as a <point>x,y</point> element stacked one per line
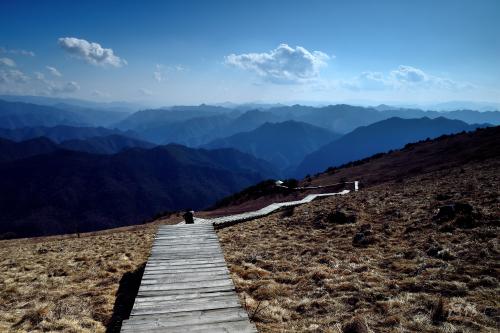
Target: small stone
<point>340,217</point>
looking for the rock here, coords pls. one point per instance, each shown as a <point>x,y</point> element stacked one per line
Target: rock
<point>462,208</point>
<point>364,236</point>
<point>445,213</point>
<point>445,254</point>
<point>466,222</point>
<point>357,325</point>
<point>492,312</point>
<point>442,197</point>
<point>433,250</point>
<point>447,228</point>
<point>361,239</point>
<point>365,227</point>
<point>340,217</point>
<point>461,213</point>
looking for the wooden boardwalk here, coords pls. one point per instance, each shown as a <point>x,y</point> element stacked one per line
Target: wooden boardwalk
<point>224,221</point>
<point>186,286</point>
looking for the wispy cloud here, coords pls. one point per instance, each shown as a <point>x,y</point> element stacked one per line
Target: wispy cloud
<point>403,77</point>
<point>284,64</point>
<point>53,71</point>
<point>91,52</point>
<point>145,92</point>
<point>20,52</point>
<point>12,76</point>
<point>161,72</point>
<point>50,87</point>
<point>101,94</point>
<point>66,88</point>
<point>7,62</point>
<point>39,76</point>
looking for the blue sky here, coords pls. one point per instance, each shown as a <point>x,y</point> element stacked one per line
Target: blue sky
<point>190,52</point>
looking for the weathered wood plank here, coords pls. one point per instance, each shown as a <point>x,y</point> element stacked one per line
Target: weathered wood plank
<point>168,292</point>
<point>181,318</point>
<point>241,326</point>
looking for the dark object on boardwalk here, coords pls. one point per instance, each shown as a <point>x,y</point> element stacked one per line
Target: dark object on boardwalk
<point>189,217</point>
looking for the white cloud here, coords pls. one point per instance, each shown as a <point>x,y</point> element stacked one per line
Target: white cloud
<point>159,76</point>
<point>408,74</point>
<point>53,71</point>
<point>367,81</point>
<point>159,73</point>
<point>11,76</point>
<point>39,76</point>
<point>284,64</point>
<point>145,92</point>
<point>7,62</point>
<point>98,93</point>
<point>91,52</point>
<point>404,77</point>
<point>21,52</point>
<point>67,88</point>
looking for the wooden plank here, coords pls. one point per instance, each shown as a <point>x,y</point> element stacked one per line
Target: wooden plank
<point>241,326</point>
<point>195,306</point>
<point>157,278</point>
<point>179,303</point>
<point>187,285</point>
<point>183,269</point>
<point>186,271</point>
<point>191,317</point>
<point>184,296</point>
<point>168,292</point>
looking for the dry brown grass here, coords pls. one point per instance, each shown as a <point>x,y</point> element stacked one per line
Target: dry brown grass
<point>67,284</point>
<point>304,274</point>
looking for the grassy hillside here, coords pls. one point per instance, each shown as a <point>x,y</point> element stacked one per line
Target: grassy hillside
<point>397,268</point>
<point>68,284</point>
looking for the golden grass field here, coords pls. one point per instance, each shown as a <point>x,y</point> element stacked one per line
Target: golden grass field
<point>299,271</point>
<point>67,284</point>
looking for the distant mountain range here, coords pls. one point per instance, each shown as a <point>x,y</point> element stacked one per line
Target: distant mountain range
<point>11,151</point>
<point>70,165</point>
<point>198,125</point>
<point>125,107</point>
<point>379,137</point>
<point>193,126</point>
<point>109,144</point>
<point>64,191</point>
<point>18,114</point>
<point>61,133</point>
<point>283,144</point>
